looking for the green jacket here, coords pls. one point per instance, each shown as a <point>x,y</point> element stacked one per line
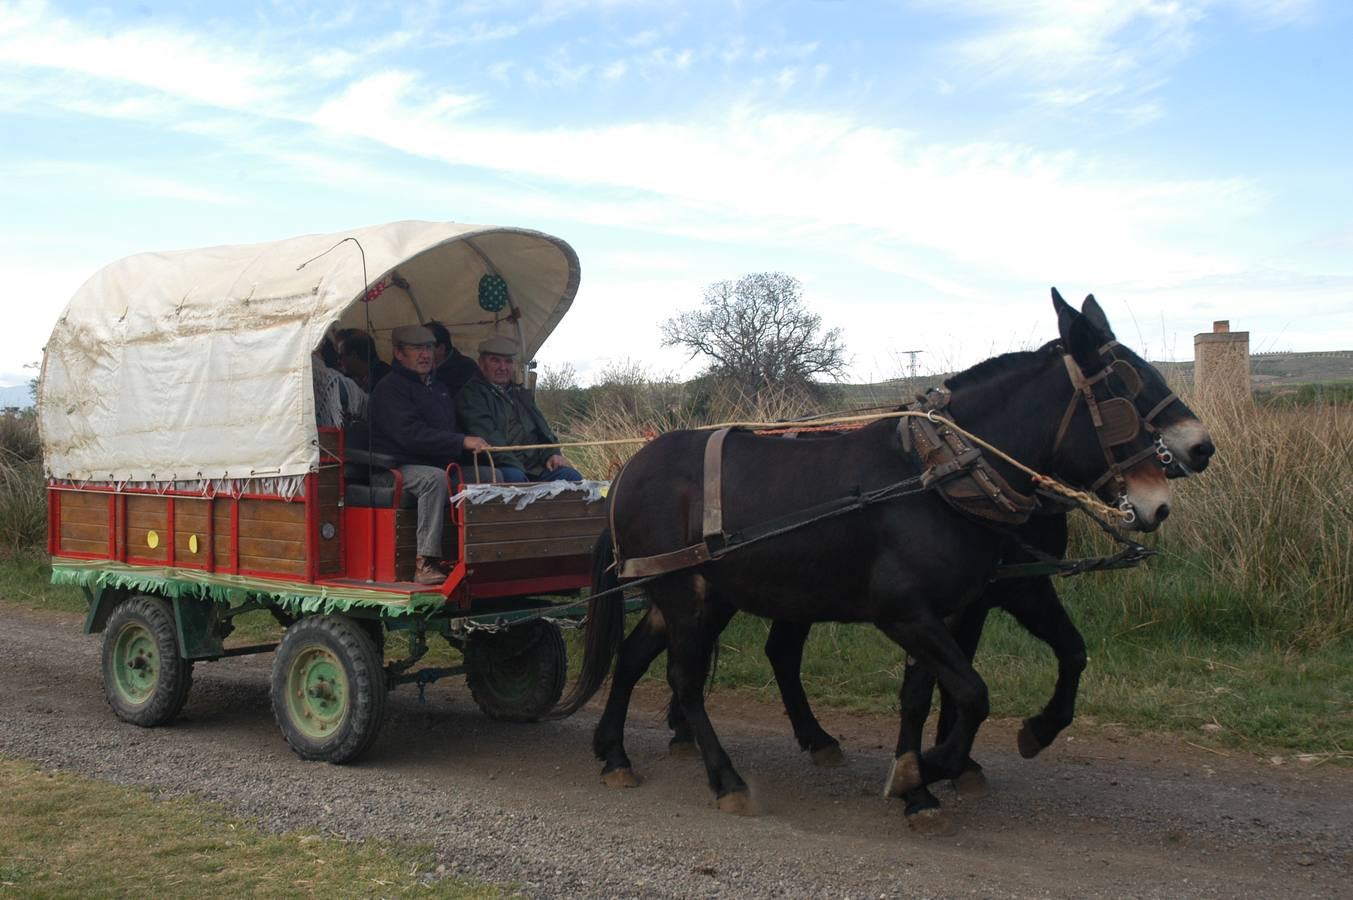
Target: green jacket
<point>504,418</point>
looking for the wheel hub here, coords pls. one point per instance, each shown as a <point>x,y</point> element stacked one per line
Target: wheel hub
<point>317,692</point>
<point>137,663</point>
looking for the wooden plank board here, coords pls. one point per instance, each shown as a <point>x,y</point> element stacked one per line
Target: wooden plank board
<point>76,545</point>
<point>482,533</point>
<point>80,532</point>
<point>272,564</point>
<point>500,551</point>
<point>221,517</point>
<point>274,549</point>
<point>271,511</point>
<point>540,509</point>
<point>147,514</point>
<point>86,508</point>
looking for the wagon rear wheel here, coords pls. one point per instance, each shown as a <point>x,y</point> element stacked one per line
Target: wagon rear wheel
<point>517,675</point>
<point>328,688</point>
<point>145,679</point>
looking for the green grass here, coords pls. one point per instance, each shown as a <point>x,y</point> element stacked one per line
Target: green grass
<point>65,836</point>
<point>1170,672</point>
<point>1167,653</point>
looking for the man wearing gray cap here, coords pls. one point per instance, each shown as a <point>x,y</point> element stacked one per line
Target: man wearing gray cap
<point>492,405</point>
<point>413,420</point>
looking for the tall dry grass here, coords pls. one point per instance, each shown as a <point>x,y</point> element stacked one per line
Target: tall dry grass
<point>1260,545</point>
<point>23,498</point>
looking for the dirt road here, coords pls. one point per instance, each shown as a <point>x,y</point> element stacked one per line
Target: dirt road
<point>522,805</point>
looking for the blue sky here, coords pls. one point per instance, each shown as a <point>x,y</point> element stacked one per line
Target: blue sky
<point>927,168</point>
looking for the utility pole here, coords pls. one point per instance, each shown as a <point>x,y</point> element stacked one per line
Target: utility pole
<point>911,366</point>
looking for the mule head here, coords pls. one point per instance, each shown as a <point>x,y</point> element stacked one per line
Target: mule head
<point>1103,426</point>
<point>1185,445</point>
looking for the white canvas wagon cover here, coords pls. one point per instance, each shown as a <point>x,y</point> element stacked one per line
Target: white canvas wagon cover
<point>196,365</point>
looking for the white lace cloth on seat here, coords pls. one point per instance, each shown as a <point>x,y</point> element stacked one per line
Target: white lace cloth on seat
<point>522,495</point>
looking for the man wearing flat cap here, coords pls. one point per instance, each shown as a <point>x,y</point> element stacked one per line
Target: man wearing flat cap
<point>413,419</point>
<point>506,415</point>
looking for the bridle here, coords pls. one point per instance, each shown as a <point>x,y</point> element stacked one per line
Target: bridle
<point>1116,419</point>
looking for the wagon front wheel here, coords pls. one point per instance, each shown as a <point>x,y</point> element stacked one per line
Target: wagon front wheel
<point>144,678</point>
<point>328,689</point>
<point>518,674</point>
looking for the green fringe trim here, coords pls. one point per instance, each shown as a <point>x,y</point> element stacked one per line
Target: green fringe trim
<point>295,598</point>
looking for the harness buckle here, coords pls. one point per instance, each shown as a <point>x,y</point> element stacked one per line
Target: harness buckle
<point>1125,507</point>
<point>1163,452</point>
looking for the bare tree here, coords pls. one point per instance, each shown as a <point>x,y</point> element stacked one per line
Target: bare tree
<point>758,334</point>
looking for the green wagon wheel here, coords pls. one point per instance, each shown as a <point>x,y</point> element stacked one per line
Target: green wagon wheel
<point>328,688</point>
<point>317,691</point>
<point>136,663</point>
<point>145,679</point>
<point>517,675</point>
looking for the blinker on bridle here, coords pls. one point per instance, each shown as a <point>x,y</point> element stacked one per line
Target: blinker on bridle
<point>1116,419</point>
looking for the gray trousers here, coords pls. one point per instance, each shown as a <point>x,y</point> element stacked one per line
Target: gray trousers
<point>428,484</point>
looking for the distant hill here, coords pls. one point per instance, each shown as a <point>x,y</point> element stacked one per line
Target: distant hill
<point>19,396</point>
<point>1267,370</point>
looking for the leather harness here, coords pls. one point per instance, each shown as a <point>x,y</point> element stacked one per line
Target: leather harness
<point>949,464</point>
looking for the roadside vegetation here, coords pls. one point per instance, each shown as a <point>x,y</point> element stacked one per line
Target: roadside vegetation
<point>1238,635</point>
<point>65,836</point>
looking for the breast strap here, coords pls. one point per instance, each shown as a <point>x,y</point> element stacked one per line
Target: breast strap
<point>711,521</point>
<point>958,470</point>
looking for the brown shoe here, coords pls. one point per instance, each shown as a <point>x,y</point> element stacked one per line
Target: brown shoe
<point>426,571</point>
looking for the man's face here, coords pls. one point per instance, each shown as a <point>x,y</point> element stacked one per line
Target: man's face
<point>415,357</point>
<point>496,368</point>
<point>439,354</point>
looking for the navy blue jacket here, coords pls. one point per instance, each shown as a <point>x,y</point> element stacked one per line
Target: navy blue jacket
<point>413,421</point>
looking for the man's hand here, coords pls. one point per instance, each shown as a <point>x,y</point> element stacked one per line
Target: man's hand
<point>556,461</point>
<point>475,443</point>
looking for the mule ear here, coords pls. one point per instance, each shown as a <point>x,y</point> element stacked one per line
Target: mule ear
<point>1066,317</point>
<point>1058,303</point>
<point>1082,339</point>
<point>1090,309</point>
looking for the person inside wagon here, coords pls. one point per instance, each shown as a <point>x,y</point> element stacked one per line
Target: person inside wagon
<point>414,420</point>
<point>506,415</point>
<point>454,368</point>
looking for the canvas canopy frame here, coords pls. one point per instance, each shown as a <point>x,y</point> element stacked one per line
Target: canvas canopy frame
<point>196,366</point>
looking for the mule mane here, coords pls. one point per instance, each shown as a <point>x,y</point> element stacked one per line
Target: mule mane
<point>1003,366</point>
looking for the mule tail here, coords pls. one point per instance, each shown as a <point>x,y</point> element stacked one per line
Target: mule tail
<point>604,630</point>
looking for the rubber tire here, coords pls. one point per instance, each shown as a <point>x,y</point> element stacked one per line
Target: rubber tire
<point>351,646</point>
<point>517,675</point>
<point>170,689</point>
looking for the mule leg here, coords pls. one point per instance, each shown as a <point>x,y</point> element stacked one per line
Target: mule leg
<point>636,653</point>
<point>683,739</point>
<point>914,698</point>
<point>971,782</point>
<point>930,642</point>
<point>685,674</point>
<point>1038,608</point>
<point>784,649</point>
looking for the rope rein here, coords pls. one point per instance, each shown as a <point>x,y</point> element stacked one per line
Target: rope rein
<point>1045,482</point>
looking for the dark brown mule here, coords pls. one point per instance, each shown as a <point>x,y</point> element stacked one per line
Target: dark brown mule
<point>906,565</point>
<point>1032,601</point>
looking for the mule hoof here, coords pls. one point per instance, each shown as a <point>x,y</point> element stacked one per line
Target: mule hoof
<point>620,778</point>
<point>739,803</point>
<point>904,775</point>
<point>682,749</point>
<point>829,757</point>
<point>931,823</point>
<point>1029,746</point>
<point>971,784</point>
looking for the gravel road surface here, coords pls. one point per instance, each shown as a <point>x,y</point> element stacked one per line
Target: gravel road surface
<point>522,806</point>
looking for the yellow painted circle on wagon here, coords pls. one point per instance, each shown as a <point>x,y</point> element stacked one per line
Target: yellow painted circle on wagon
<point>152,539</point>
<point>192,543</point>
